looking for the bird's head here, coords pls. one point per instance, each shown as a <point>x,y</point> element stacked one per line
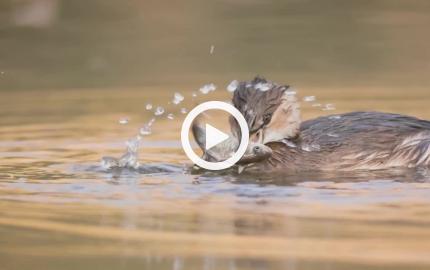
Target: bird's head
<point>271,111</point>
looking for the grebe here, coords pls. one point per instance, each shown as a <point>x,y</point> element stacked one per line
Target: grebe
<point>351,141</point>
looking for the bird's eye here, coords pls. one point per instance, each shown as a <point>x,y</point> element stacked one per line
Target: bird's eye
<point>267,117</point>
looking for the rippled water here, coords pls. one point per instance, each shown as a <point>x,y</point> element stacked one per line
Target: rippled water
<point>60,209</point>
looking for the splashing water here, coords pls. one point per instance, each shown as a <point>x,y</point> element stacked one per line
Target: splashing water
<point>133,144</point>
<point>128,160</point>
<point>231,87</point>
<point>109,162</point>
<point>170,116</point>
<point>148,106</point>
<point>159,111</point>
<point>309,98</point>
<point>177,98</point>
<point>123,121</point>
<point>205,89</point>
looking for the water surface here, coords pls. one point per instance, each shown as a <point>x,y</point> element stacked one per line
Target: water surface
<point>60,209</point>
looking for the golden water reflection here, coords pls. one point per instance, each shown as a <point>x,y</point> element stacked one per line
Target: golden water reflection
<point>59,209</point>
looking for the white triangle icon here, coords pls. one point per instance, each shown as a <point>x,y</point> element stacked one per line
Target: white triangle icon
<point>214,136</point>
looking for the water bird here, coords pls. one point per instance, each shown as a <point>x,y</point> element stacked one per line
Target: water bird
<point>342,142</point>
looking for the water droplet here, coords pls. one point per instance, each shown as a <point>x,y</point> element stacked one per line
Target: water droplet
<point>170,116</point>
<point>123,121</point>
<point>212,49</point>
<point>263,86</point>
<point>329,107</point>
<point>309,98</point>
<point>205,89</point>
<point>148,106</point>
<point>194,94</point>
<point>159,111</point>
<point>183,110</point>
<point>177,98</point>
<point>233,86</point>
<point>145,130</point>
<point>151,122</point>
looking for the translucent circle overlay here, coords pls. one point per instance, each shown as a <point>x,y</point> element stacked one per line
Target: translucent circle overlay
<point>186,145</point>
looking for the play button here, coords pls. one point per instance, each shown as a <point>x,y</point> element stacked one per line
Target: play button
<point>214,136</point>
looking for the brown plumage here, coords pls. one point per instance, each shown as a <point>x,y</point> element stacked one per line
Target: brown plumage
<point>345,142</point>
